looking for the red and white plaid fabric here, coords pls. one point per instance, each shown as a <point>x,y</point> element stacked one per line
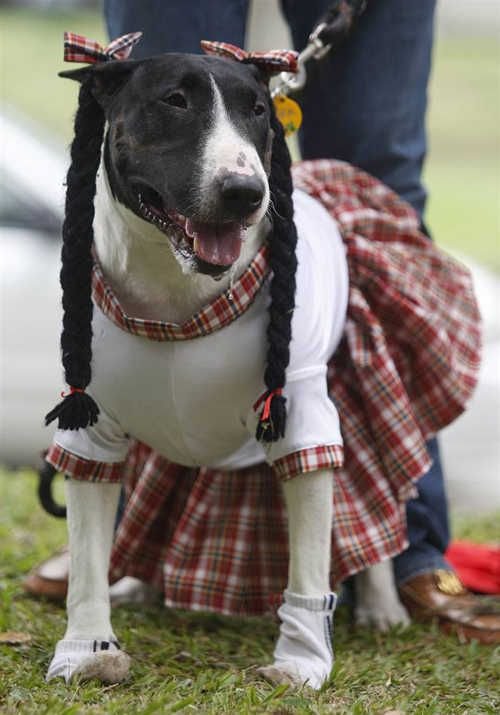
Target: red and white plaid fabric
<point>220,312</point>
<point>407,365</point>
<point>84,469</point>
<point>272,61</point>
<point>78,48</point>
<point>309,460</point>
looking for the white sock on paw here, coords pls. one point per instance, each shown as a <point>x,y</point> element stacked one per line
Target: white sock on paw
<point>89,658</point>
<point>304,648</point>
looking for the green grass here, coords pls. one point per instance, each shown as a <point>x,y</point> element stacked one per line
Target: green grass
<point>198,663</point>
<point>463,169</point>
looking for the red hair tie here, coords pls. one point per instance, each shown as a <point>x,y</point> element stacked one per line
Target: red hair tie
<point>266,398</point>
<point>72,391</point>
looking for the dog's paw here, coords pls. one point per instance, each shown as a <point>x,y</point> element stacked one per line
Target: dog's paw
<point>296,673</point>
<point>87,659</point>
<point>131,590</point>
<point>303,654</point>
<point>283,674</point>
<point>382,616</point>
<point>377,600</point>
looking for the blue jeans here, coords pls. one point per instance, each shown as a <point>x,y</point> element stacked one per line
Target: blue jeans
<point>364,104</point>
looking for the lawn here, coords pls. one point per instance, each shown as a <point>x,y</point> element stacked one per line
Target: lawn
<point>463,169</point>
<point>198,663</point>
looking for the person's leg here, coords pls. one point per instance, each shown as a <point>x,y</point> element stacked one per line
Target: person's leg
<point>366,104</point>
<point>176,26</point>
<point>428,528</point>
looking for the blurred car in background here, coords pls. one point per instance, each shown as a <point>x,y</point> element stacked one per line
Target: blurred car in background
<point>31,210</point>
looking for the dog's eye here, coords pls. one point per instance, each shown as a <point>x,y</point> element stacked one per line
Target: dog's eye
<point>259,108</point>
<point>176,99</point>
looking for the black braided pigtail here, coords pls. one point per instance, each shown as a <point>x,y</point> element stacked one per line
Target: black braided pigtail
<point>272,421</point>
<point>78,409</point>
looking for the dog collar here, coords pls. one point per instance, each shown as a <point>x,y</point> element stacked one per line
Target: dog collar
<point>216,315</point>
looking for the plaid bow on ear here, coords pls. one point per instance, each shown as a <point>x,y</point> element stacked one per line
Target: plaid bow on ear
<point>273,61</point>
<point>80,49</point>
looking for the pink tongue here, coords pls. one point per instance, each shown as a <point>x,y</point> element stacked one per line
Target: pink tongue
<point>218,245</point>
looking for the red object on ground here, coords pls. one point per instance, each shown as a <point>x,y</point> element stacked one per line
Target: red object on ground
<point>477,565</point>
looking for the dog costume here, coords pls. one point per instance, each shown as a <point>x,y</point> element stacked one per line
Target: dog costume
<point>174,388</point>
<point>214,538</point>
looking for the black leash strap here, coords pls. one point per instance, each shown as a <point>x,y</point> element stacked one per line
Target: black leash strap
<point>45,478</point>
<point>338,21</point>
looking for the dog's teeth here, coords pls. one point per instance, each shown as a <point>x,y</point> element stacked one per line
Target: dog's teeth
<point>188,228</point>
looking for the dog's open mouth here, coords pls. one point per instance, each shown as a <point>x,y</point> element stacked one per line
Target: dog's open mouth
<point>216,244</point>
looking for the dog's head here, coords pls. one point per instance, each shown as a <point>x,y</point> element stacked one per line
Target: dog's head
<point>187,149</point>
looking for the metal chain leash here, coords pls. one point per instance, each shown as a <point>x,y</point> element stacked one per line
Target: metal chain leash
<point>314,50</point>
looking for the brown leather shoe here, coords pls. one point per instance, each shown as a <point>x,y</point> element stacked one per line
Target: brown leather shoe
<point>440,597</point>
<point>50,578</point>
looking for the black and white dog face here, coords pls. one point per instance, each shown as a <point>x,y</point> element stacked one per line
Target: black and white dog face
<point>187,149</point>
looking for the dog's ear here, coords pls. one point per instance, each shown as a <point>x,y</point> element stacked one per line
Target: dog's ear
<point>105,78</point>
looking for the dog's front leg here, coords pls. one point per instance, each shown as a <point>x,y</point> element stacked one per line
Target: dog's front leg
<point>303,653</point>
<point>89,648</point>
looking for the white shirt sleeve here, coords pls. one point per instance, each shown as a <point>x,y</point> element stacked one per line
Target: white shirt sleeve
<point>103,442</point>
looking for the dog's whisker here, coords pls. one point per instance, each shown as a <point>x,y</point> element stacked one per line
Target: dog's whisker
<point>272,210</point>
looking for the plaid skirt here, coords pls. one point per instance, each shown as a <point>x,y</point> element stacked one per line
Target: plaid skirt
<point>408,362</point>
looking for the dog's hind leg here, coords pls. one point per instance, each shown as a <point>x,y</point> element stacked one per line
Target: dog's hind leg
<point>377,600</point>
<point>303,653</point>
<point>89,648</point>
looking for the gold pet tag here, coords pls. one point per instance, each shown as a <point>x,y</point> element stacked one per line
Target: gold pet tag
<point>289,113</point>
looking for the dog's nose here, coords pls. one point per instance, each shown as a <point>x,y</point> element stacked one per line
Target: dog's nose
<point>241,195</point>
